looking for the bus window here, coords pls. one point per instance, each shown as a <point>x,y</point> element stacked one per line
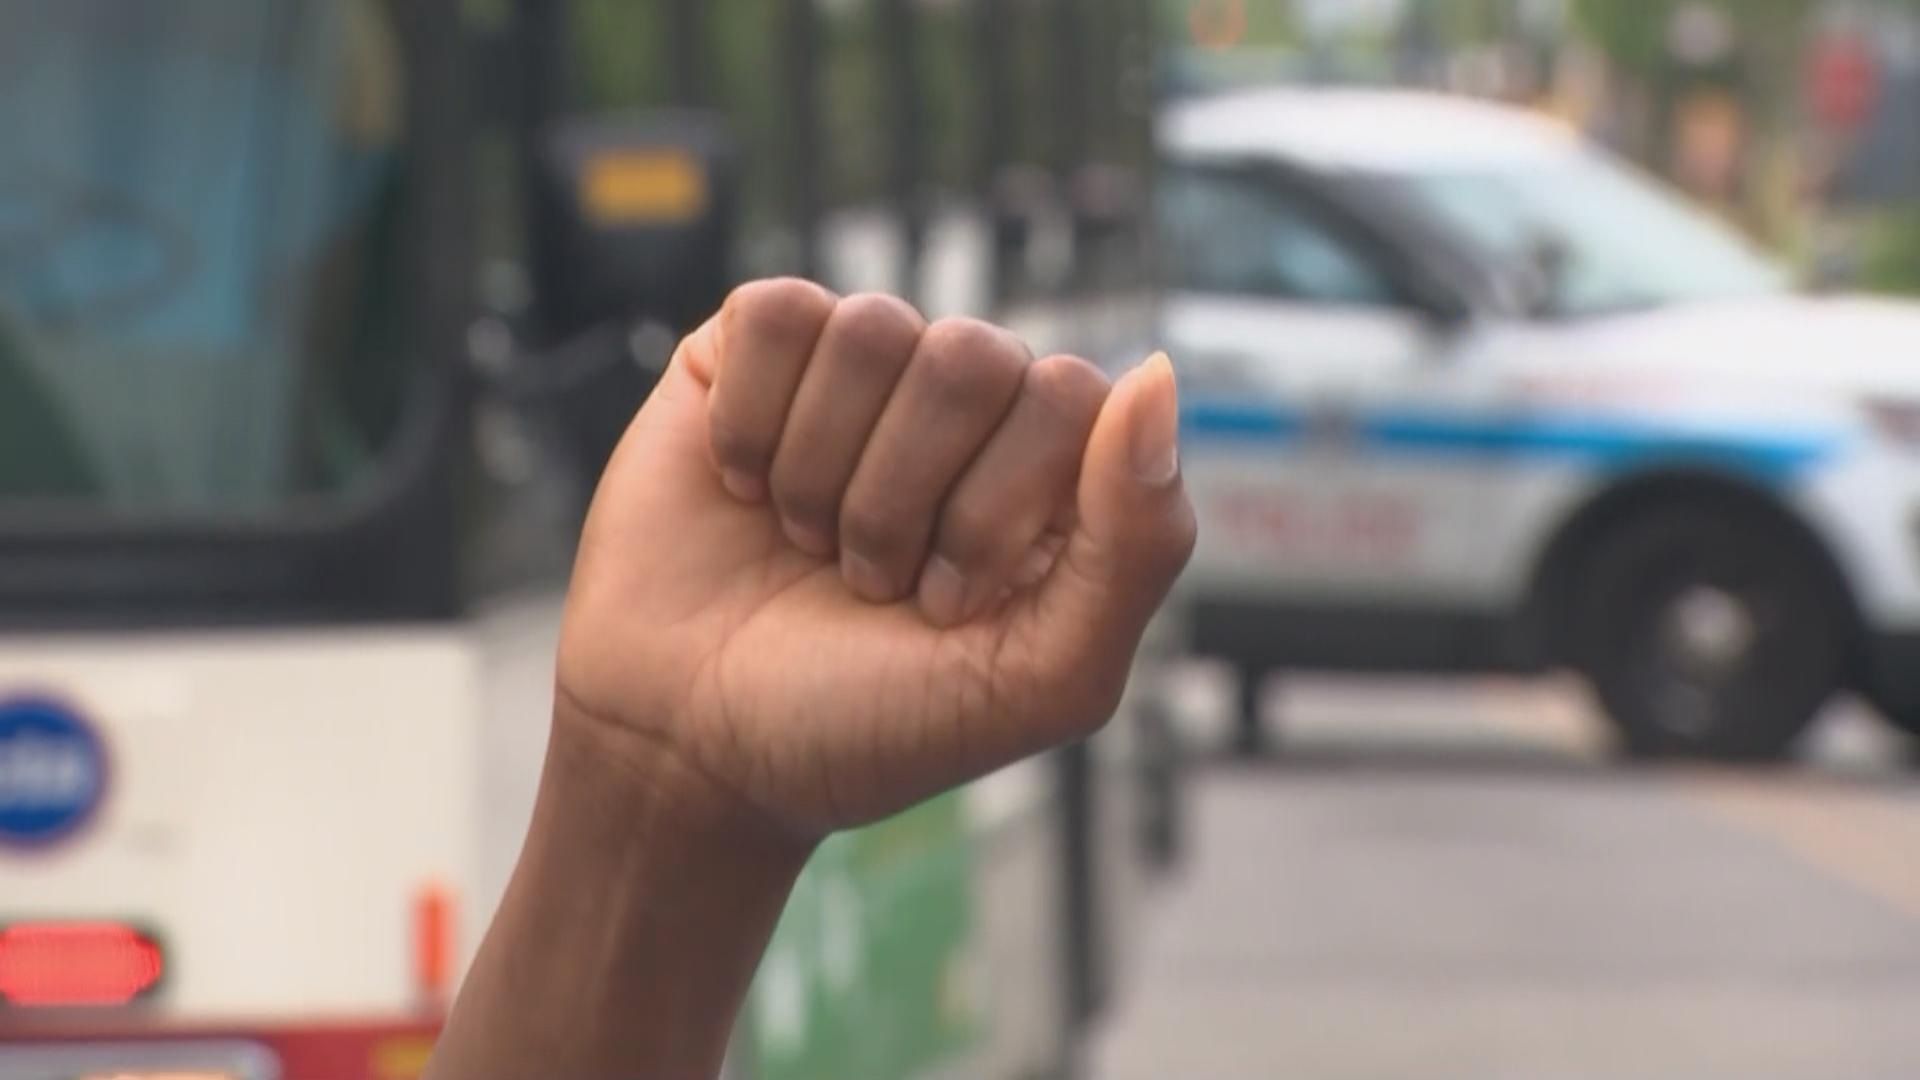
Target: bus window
<point>195,209</point>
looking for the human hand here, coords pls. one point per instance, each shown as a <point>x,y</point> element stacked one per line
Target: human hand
<point>843,560</point>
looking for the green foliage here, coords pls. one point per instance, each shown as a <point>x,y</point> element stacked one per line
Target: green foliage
<point>621,62</point>
<point>1892,256</point>
<point>619,58</point>
<point>1270,24</point>
<point>1631,32</point>
<point>484,14</point>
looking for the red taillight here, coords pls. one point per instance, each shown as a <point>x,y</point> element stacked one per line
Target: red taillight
<point>432,944</point>
<point>76,963</point>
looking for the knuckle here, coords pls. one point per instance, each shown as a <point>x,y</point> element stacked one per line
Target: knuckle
<point>1067,385</point>
<point>780,307</point>
<point>874,324</point>
<point>966,359</point>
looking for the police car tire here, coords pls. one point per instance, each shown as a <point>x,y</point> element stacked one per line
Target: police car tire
<point>1251,739</point>
<point>1631,580</point>
<point>1906,720</point>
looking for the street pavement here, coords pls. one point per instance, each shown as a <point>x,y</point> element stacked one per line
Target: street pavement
<point>1444,880</point>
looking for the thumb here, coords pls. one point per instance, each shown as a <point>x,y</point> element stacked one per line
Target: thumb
<point>1134,533</point>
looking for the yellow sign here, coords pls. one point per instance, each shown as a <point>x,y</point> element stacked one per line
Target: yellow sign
<point>402,1058</point>
<point>643,187</point>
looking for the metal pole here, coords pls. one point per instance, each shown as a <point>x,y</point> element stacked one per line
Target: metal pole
<point>1141,75</point>
<point>1107,27</point>
<point>1077,771</point>
<point>1085,984</point>
<point>1070,114</point>
<point>688,50</point>
<point>541,26</point>
<point>994,150</point>
<point>902,123</point>
<point>1069,88</point>
<point>990,62</point>
<point>1135,81</point>
<point>803,157</point>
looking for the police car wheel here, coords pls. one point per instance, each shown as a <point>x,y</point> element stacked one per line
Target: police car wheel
<point>1251,739</point>
<point>1708,633</point>
<point>1905,720</point>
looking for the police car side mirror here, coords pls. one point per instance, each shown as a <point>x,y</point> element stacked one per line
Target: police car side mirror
<point>1441,307</point>
<point>1443,311</point>
<point>1541,276</point>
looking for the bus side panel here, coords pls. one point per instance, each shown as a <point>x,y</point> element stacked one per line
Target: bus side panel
<point>277,806</point>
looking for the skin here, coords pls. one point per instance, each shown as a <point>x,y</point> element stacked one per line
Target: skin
<point>842,561</point>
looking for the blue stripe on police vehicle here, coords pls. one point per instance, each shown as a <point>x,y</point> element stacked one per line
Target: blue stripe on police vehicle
<point>53,772</point>
<point>1610,443</point>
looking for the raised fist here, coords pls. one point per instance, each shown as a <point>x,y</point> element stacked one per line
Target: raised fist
<point>844,559</point>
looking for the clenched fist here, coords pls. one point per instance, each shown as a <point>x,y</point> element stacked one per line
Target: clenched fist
<point>844,559</point>
<point>841,561</point>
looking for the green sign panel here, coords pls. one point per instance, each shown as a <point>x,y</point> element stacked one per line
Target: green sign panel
<point>872,973</point>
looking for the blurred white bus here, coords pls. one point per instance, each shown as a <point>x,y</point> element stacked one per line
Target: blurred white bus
<point>285,515</point>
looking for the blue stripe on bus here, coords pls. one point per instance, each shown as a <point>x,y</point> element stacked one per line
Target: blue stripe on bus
<point>1602,442</point>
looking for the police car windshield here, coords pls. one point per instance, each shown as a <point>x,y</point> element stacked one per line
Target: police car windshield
<point>196,304</point>
<point>1625,242</point>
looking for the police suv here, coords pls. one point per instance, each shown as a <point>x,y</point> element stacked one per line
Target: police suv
<point>1463,393</point>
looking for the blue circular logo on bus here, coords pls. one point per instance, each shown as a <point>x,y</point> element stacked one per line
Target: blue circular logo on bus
<point>53,772</point>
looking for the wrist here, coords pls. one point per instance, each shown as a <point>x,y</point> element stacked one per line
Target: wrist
<point>642,775</point>
<point>633,924</point>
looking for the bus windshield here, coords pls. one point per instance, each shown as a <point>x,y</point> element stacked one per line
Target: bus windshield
<point>196,306</point>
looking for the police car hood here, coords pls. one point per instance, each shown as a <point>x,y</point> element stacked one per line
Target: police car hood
<point>1856,342</point>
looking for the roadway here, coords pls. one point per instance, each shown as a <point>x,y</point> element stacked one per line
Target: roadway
<point>1450,880</point>
<point>1444,880</point>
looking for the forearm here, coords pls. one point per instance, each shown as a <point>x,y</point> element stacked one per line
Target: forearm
<point>833,679</point>
<point>631,929</point>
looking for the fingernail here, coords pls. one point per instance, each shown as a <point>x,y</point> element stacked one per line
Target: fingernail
<point>744,485</point>
<point>813,541</point>
<point>1156,424</point>
<point>866,578</point>
<point>943,592</point>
